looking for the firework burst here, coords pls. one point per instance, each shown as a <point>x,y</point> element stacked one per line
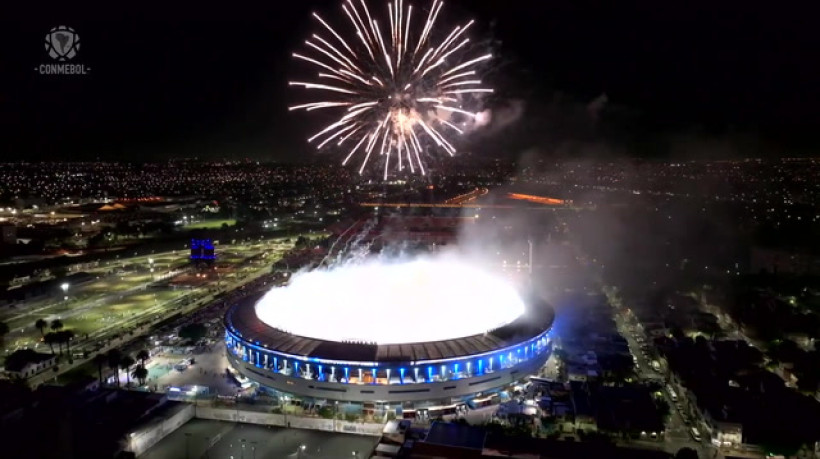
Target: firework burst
<point>394,89</point>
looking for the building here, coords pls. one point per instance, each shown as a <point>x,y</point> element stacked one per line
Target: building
<point>433,376</point>
<point>26,363</point>
<point>202,250</point>
<point>8,234</point>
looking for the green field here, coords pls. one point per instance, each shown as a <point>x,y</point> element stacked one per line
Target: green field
<point>211,224</point>
<point>130,307</point>
<point>120,297</point>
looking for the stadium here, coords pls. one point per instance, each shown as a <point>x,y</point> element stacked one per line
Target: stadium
<point>473,336</point>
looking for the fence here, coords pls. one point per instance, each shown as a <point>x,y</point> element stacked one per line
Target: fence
<point>281,420</point>
<point>138,442</point>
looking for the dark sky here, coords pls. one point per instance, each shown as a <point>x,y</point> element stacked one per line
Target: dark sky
<point>182,82</point>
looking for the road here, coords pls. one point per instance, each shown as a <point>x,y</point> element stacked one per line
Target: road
<point>677,430</point>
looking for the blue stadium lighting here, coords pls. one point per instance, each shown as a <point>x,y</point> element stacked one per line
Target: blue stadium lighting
<point>248,349</point>
<point>202,249</point>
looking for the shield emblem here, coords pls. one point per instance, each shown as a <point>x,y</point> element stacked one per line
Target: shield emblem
<point>63,44</point>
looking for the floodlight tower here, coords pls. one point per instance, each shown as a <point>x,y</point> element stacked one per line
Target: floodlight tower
<point>529,241</point>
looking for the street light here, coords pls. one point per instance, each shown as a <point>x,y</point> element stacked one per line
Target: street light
<point>64,286</point>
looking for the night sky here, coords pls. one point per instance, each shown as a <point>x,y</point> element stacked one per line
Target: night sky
<point>185,82</point>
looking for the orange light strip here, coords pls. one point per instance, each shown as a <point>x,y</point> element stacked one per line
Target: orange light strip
<point>536,199</point>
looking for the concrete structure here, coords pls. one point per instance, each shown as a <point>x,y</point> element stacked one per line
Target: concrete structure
<point>441,372</point>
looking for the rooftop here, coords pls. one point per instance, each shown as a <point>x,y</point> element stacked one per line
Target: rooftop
<point>243,320</point>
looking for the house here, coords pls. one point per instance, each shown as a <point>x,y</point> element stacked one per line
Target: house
<point>26,363</point>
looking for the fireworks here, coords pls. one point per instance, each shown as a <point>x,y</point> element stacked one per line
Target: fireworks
<point>394,89</point>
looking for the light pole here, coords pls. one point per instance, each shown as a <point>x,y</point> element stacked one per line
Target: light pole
<point>65,286</point>
<point>529,241</point>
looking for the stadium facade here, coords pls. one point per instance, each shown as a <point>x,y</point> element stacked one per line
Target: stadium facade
<point>414,375</point>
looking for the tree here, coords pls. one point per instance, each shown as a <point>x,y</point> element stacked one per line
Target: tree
<point>142,356</point>
<point>65,337</point>
<point>140,373</point>
<point>41,325</point>
<point>56,325</point>
<point>114,356</point>
<point>686,453</point>
<point>100,360</point>
<point>125,364</point>
<point>193,332</point>
<point>663,407</point>
<point>50,338</point>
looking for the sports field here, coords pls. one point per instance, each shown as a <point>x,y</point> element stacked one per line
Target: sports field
<point>211,224</point>
<point>126,292</point>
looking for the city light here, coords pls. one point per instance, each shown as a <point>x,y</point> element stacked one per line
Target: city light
<point>402,302</point>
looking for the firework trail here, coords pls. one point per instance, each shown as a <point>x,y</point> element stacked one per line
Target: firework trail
<point>395,88</point>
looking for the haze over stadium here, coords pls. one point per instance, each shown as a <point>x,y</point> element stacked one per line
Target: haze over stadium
<point>392,302</point>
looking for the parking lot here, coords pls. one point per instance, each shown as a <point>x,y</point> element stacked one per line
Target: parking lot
<point>215,439</point>
<point>208,370</point>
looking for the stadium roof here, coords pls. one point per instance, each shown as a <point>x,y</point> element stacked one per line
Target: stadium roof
<point>242,319</point>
